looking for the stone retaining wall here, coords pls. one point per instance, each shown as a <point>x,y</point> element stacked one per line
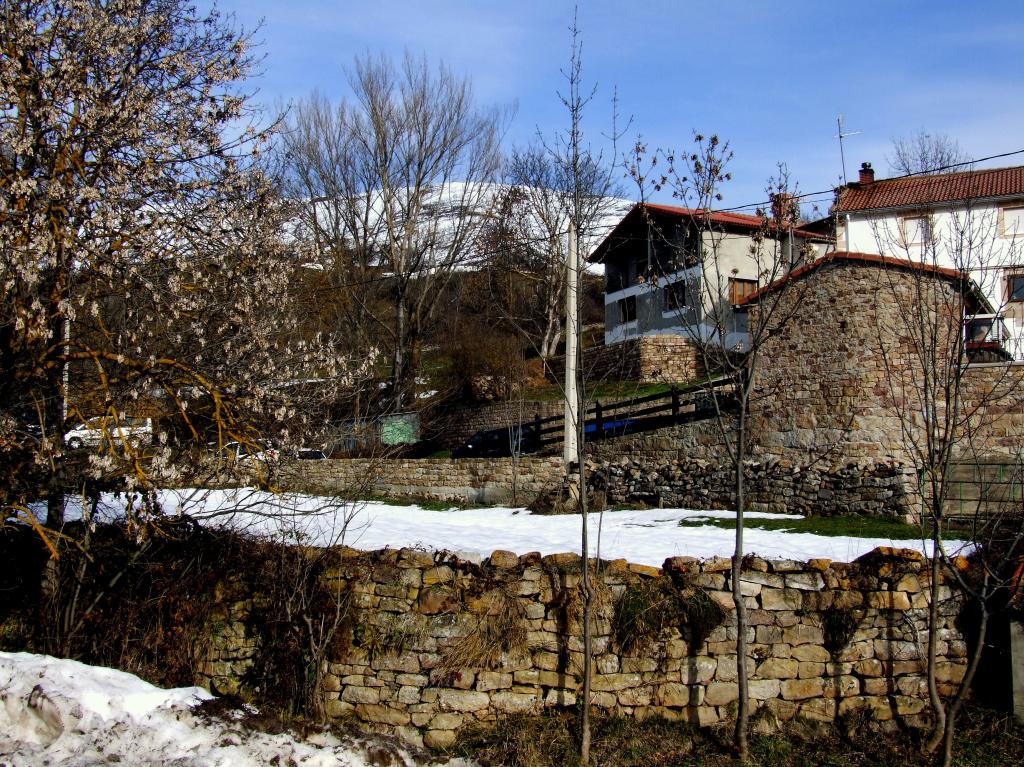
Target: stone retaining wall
<point>467,480</point>
<point>432,644</point>
<point>857,488</point>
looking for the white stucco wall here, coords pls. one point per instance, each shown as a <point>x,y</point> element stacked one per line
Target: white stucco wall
<point>974,238</point>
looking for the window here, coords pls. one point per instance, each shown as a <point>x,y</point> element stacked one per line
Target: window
<point>917,230</point>
<point>1015,287</point>
<point>740,289</point>
<point>627,309</point>
<point>1013,221</point>
<point>673,298</point>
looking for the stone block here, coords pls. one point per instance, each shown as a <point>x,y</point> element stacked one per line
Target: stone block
<point>674,694</point>
<point>811,581</point>
<point>493,680</point>
<point>607,663</point>
<point>633,665</point>
<point>809,669</point>
<point>504,560</point>
<point>802,633</point>
<point>778,668</point>
<point>408,695</point>
<point>439,738</point>
<point>721,693</point>
<point>636,696</point>
<point>361,695</point>
<point>442,574</point>
<point>699,670</point>
<point>781,599</point>
<point>889,600</point>
<point>764,689</point>
<point>645,570</point>
<point>369,712</point>
<point>558,697</point>
<point>514,703</point>
<point>615,682</point>
<point>462,700</point>
<point>811,653</point>
<point>842,686</point>
<point>801,689</point>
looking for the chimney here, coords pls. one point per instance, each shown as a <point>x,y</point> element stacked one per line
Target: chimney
<point>867,174</point>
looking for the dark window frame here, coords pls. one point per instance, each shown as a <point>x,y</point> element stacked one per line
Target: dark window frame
<point>675,297</point>
<point>1015,288</point>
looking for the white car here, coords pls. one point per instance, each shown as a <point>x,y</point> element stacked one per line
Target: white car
<point>259,451</point>
<point>95,431</point>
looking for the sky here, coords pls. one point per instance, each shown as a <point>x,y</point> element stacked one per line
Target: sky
<point>768,77</point>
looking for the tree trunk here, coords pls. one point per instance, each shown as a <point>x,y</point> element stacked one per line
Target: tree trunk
<point>938,707</point>
<point>743,710</point>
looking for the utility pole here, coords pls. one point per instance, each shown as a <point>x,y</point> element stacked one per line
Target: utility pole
<point>571,445</point>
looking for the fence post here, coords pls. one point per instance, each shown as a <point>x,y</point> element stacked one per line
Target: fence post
<point>675,402</point>
<point>599,417</point>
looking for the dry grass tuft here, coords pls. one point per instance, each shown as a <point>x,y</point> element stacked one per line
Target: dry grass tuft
<point>498,628</point>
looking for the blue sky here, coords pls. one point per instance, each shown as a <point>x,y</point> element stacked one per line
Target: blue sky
<point>768,77</point>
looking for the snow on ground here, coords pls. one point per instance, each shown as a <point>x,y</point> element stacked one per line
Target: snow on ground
<point>644,537</point>
<point>63,712</point>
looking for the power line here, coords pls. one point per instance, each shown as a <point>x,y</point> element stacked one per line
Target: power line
<point>925,172</point>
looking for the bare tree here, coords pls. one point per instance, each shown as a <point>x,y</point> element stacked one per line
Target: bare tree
<point>144,264</point>
<point>924,153</point>
<point>946,269</point>
<point>395,183</point>
<point>730,346</point>
<point>532,223</point>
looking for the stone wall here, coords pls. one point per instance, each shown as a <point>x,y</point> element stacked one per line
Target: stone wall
<point>647,359</point>
<point>432,644</point>
<point>994,392</point>
<point>468,420</point>
<point>884,489</point>
<point>826,385</point>
<point>467,480</point>
<point>823,379</point>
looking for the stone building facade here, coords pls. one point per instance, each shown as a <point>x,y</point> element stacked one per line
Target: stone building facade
<point>843,376</point>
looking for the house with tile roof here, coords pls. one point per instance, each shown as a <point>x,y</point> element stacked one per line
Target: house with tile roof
<point>657,283</point>
<point>971,221</point>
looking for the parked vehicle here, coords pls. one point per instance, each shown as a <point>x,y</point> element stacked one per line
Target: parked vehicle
<point>497,443</point>
<point>96,431</point>
<point>309,454</point>
<point>258,451</point>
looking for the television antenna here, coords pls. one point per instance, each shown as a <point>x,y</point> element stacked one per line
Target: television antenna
<point>841,135</point>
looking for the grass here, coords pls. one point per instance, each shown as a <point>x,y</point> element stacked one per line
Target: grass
<point>853,527</point>
<point>989,738</point>
<point>423,503</point>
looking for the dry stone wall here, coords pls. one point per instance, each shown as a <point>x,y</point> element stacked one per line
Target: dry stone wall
<point>466,480</point>
<point>885,489</point>
<point>434,644</point>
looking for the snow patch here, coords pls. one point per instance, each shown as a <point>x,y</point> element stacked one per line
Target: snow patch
<point>55,711</point>
<point>645,537</point>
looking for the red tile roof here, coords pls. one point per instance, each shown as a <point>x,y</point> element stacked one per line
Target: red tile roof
<point>729,218</point>
<point>723,219</point>
<point>870,259</point>
<point>926,190</point>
